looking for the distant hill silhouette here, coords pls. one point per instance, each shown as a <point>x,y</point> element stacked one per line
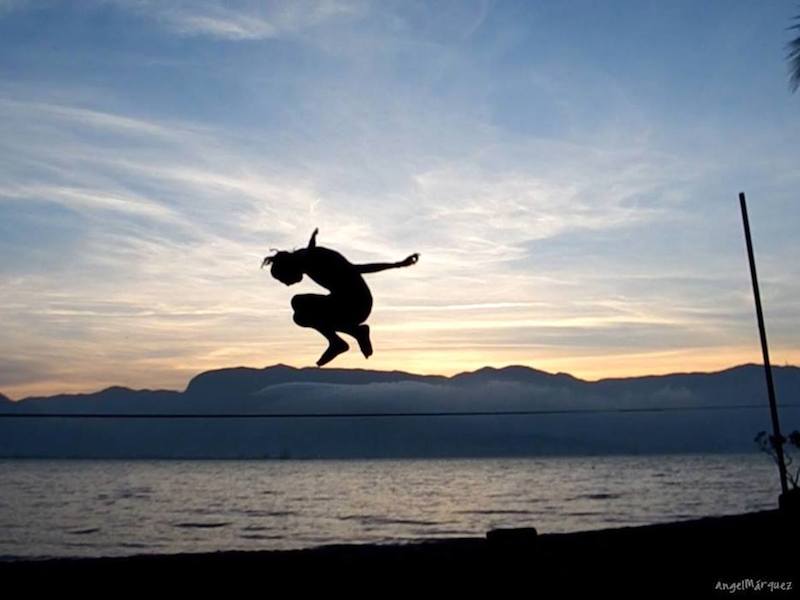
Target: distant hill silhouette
<point>283,389</point>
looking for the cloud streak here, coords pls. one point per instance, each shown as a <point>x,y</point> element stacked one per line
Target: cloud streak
<point>239,20</point>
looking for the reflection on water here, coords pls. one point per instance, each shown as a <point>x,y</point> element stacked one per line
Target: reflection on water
<point>94,508</point>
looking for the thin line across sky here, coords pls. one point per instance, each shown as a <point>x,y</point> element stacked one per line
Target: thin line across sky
<point>381,415</point>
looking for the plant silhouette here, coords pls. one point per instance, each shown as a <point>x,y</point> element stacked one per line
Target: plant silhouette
<point>793,56</point>
<point>346,308</point>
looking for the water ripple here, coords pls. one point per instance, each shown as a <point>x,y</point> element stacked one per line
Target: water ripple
<point>379,520</point>
<point>87,531</point>
<point>191,525</point>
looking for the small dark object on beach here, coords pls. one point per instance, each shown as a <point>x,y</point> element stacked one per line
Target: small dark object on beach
<point>512,538</point>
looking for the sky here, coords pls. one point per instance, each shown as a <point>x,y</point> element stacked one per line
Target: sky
<point>568,172</point>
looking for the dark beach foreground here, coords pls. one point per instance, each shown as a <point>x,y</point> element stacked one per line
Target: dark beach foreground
<point>737,556</point>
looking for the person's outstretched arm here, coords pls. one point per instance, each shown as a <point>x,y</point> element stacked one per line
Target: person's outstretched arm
<point>375,267</point>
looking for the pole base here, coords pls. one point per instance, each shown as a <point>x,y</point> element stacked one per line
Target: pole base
<point>789,502</point>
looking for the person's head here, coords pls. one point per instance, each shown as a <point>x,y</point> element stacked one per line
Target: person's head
<point>286,267</point>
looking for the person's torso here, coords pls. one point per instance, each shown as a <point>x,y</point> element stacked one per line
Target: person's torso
<point>334,272</point>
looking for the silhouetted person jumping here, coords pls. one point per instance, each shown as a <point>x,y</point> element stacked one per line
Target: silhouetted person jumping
<point>346,307</point>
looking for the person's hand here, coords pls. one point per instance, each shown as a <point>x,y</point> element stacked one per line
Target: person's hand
<point>410,260</point>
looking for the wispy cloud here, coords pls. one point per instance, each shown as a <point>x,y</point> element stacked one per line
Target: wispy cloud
<point>87,199</point>
<point>240,20</point>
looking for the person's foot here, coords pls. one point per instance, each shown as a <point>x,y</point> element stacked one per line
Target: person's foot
<point>335,348</point>
<point>362,337</point>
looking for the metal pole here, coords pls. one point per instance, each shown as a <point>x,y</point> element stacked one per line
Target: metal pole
<point>773,408</point>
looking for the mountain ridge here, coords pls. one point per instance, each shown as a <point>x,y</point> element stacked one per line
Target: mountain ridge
<point>363,376</point>
<point>274,412</point>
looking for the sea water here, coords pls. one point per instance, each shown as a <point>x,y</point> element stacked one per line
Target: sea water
<point>57,508</point>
